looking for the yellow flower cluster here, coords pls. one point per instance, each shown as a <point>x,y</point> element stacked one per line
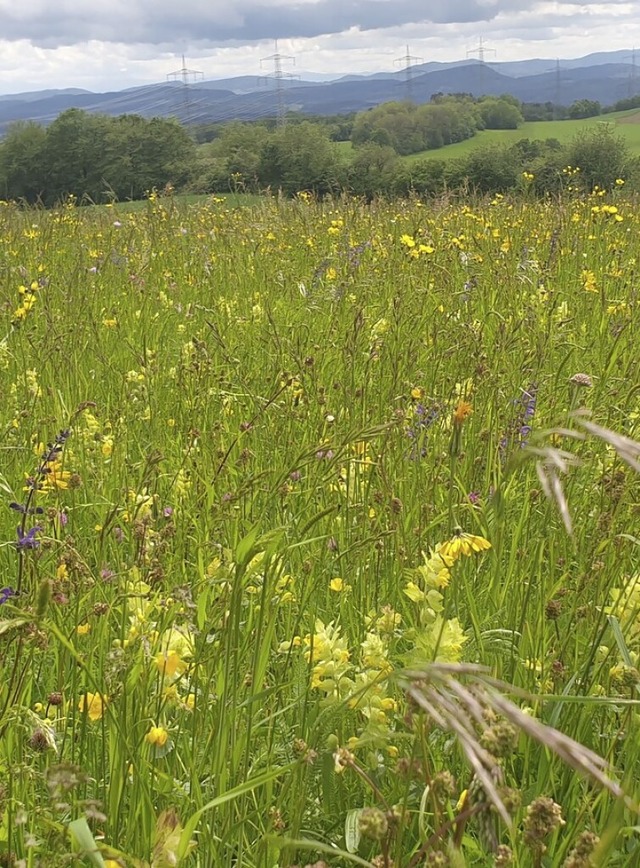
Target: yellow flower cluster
<point>28,296</point>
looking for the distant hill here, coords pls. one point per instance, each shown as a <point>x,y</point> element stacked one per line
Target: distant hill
<point>605,76</point>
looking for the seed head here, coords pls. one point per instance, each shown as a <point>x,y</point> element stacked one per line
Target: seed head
<point>581,380</point>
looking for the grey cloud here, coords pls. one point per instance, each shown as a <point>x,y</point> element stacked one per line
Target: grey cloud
<point>214,22</point>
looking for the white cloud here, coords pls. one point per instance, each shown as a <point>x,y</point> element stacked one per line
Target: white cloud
<point>123,43</point>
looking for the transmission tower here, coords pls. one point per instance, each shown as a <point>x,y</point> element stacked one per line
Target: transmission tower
<point>187,77</point>
<point>633,82</point>
<point>558,91</point>
<point>408,61</point>
<point>279,76</point>
<point>480,51</point>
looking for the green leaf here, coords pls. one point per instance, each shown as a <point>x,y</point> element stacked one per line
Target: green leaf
<point>246,787</point>
<point>352,830</point>
<point>246,547</point>
<point>11,624</point>
<point>84,842</point>
<point>318,847</point>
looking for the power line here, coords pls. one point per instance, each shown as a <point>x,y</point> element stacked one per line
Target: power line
<point>409,62</point>
<point>480,51</point>
<point>186,76</point>
<point>558,100</point>
<point>632,74</point>
<point>279,76</point>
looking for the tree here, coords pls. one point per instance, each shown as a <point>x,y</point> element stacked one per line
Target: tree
<point>74,155</point>
<point>299,157</point>
<point>22,161</point>
<point>373,170</point>
<point>492,169</point>
<point>600,154</point>
<point>584,108</point>
<point>500,114</point>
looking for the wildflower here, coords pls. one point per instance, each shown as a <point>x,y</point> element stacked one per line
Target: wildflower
<point>28,540</point>
<point>83,629</point>
<point>581,380</point>
<point>463,544</point>
<point>442,640</point>
<point>543,817</point>
<point>327,651</point>
<point>373,823</point>
<point>435,570</point>
<point>93,704</point>
<point>462,412</point>
<point>6,594</point>
<point>170,664</point>
<point>581,855</point>
<point>337,585</point>
<point>157,736</point>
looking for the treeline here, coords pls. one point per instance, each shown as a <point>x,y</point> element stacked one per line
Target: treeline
<point>95,157</point>
<point>249,158</point>
<point>410,128</point>
<point>101,158</point>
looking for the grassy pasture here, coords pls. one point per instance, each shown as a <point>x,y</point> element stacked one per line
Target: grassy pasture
<point>626,124</point>
<point>262,468</point>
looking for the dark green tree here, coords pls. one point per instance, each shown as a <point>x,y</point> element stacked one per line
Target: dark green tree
<point>299,157</point>
<point>22,161</point>
<point>601,155</point>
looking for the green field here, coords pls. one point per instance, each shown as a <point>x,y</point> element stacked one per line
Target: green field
<point>626,123</point>
<point>319,534</point>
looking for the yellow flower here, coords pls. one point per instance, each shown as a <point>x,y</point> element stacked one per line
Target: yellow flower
<point>170,664</point>
<point>157,736</point>
<point>414,593</point>
<point>56,477</point>
<point>337,585</point>
<point>408,241</point>
<point>83,629</point>
<point>94,704</point>
<point>463,544</point>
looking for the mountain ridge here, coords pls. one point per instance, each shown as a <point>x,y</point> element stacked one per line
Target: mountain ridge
<point>603,76</point>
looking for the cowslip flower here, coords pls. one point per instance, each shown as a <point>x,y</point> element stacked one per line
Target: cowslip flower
<point>463,544</point>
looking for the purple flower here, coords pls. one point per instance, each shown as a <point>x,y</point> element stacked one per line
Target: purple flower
<point>6,594</point>
<point>28,540</point>
<point>473,497</point>
<point>167,511</point>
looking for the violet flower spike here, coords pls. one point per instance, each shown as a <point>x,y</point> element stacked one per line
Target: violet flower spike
<point>6,594</point>
<point>28,540</point>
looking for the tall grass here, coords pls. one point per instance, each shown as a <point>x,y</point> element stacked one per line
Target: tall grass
<point>277,423</point>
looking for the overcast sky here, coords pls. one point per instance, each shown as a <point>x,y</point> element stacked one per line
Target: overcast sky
<point>111,44</point>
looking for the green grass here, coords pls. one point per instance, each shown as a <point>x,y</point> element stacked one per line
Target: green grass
<point>231,200</point>
<point>276,421</point>
<point>563,131</point>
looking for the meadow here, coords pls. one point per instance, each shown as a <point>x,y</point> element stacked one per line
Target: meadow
<point>319,534</point>
<point>625,124</point>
